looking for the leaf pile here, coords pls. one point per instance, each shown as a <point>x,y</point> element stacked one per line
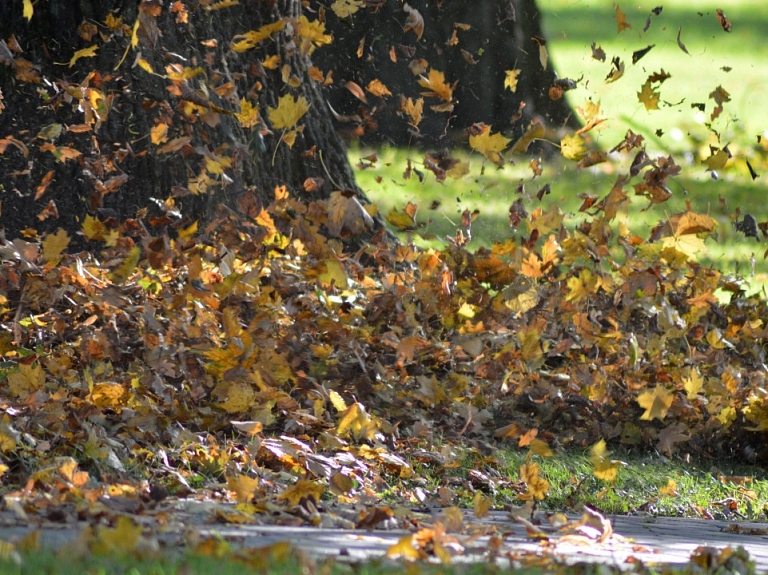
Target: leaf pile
<point>269,352</point>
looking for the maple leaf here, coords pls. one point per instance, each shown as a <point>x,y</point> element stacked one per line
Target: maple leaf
<point>656,403</point>
<point>29,10</point>
<point>313,31</point>
<point>345,8</point>
<point>302,490</point>
<point>621,19</point>
<point>490,145</point>
<point>435,83</point>
<point>510,79</point>
<point>27,380</point>
<point>671,435</point>
<point>248,116</point>
<point>649,96</point>
<point>244,487</point>
<point>414,109</point>
<point>693,384</point>
<point>288,112</point>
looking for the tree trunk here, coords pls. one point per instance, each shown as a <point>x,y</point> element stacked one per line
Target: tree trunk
<point>473,44</point>
<point>90,134</point>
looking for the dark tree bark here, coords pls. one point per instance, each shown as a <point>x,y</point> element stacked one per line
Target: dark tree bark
<point>472,43</point>
<point>100,114</point>
<point>113,103</point>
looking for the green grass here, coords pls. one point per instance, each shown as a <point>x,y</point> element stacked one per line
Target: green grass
<point>492,191</point>
<point>644,484</point>
<point>571,26</point>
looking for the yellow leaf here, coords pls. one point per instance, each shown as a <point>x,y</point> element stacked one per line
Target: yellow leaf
<point>337,401</point>
<point>345,8</point>
<point>188,232</point>
<point>244,487</point>
<point>7,440</point>
<point>534,132</point>
<point>687,245</point>
<point>302,490</point>
<point>121,539</point>
<point>727,416</point>
<point>248,116</point>
<point>313,31</point>
<point>490,145</point>
<point>581,287</point>
<point>28,379</point>
<point>288,112</point>
<point>649,97</point>
<point>238,397</point>
<point>120,275</point>
<point>467,311</point>
<point>108,395</point>
<point>537,487</point>
<point>84,53</point>
<point>510,79</point>
<point>404,549</point>
<point>53,245</point>
<point>604,468</point>
<point>656,403</point>
<point>29,9</point>
<point>356,420</point>
<point>715,338</point>
<point>717,160</point>
<point>334,274</point>
<point>159,133</point>
<point>670,490</point>
<point>481,505</point>
<point>435,83</point>
<point>144,65</point>
<point>573,147</point>
<point>414,109</point>
<point>539,447</point>
<point>244,42</point>
<point>693,383</point>
<point>93,229</point>
<point>377,88</point>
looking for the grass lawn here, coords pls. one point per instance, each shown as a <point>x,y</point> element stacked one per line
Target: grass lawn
<point>734,61</point>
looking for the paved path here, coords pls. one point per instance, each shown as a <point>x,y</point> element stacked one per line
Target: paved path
<point>651,540</point>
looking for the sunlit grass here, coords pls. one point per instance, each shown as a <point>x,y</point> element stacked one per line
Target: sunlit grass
<point>715,58</point>
<point>492,191</point>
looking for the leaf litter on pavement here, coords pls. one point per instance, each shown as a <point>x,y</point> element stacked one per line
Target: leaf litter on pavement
<point>291,364</point>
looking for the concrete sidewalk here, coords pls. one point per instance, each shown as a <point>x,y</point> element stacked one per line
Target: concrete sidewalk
<point>646,539</point>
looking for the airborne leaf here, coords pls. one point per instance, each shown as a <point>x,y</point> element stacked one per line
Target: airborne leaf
<point>490,145</point>
<point>288,112</point>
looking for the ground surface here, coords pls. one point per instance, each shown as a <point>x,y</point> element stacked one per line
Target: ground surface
<point>173,525</point>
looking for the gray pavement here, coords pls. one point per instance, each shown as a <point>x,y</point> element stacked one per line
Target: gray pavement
<point>498,535</point>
